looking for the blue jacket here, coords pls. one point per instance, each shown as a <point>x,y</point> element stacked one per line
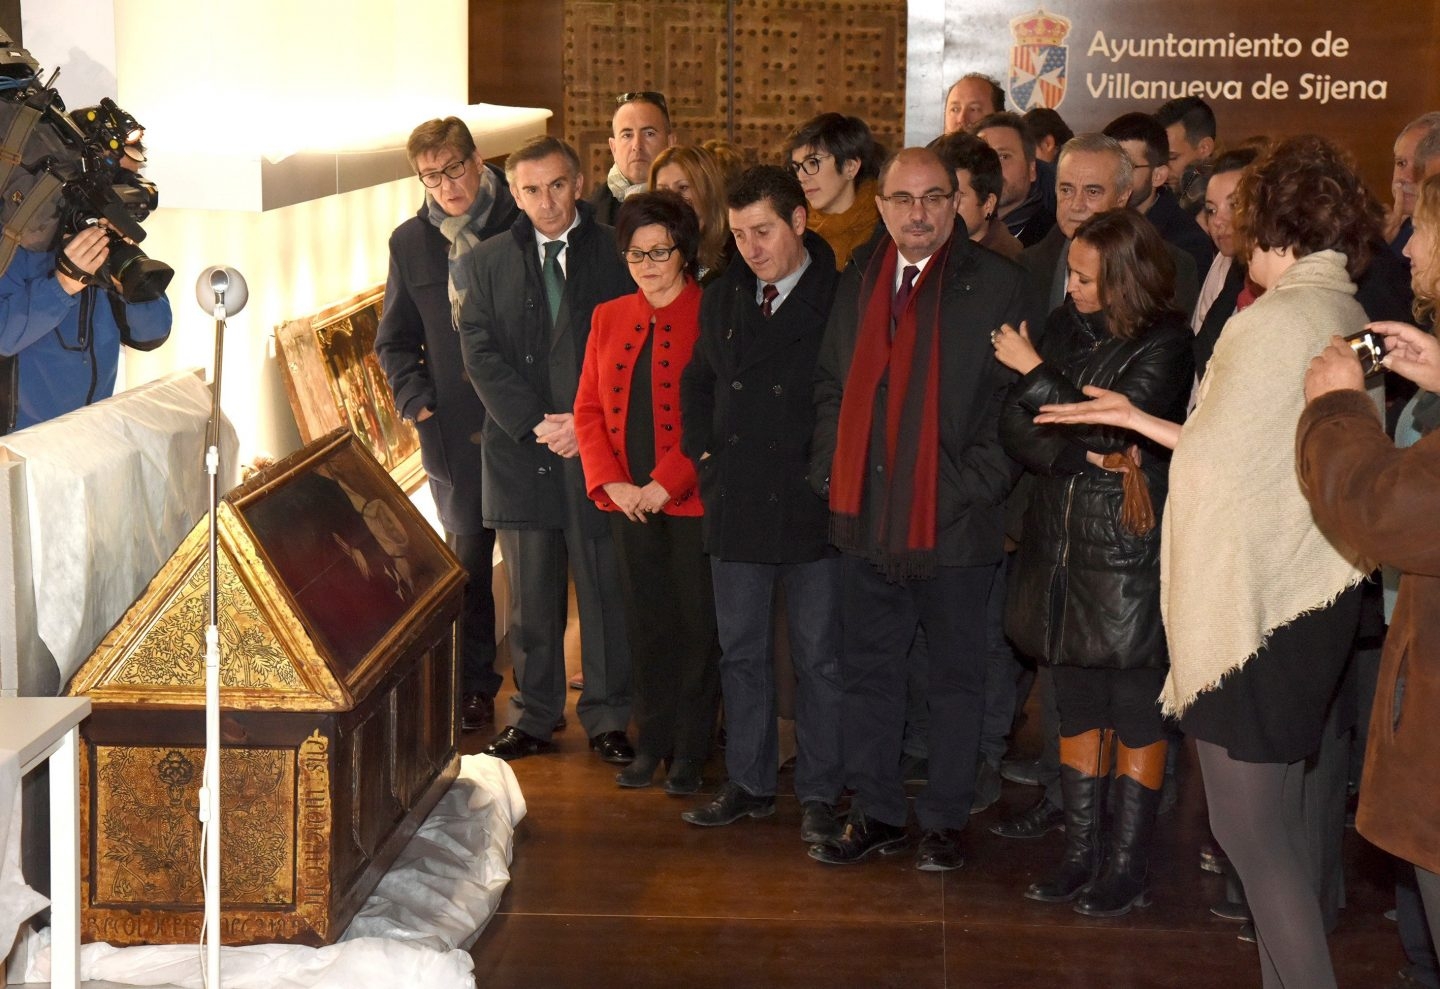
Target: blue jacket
<point>65,348</point>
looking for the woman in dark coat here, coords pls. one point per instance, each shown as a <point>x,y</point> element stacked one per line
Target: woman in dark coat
<point>1086,596</point>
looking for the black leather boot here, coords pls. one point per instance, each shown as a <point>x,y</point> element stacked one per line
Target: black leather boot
<point>1083,793</point>
<point>1121,884</point>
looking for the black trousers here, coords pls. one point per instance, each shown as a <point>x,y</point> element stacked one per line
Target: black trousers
<point>675,653</point>
<point>476,552</point>
<point>879,621</point>
<point>1125,700</point>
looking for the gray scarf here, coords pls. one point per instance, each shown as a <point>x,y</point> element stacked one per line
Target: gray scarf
<point>463,233</point>
<point>621,187</point>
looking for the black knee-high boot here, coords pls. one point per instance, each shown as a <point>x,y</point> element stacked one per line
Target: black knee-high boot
<point>1139,774</point>
<point>1084,770</point>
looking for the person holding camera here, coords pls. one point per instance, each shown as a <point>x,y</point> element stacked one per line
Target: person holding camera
<point>62,323</point>
<point>1377,498</point>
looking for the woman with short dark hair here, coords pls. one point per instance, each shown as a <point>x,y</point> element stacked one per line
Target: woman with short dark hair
<point>1260,607</point>
<point>627,421</point>
<point>1085,596</point>
<point>836,159</point>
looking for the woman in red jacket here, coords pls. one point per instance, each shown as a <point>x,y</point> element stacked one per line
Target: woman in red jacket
<point>627,419</point>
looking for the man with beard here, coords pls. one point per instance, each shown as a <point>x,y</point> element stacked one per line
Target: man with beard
<point>1027,199</point>
<point>1148,148</point>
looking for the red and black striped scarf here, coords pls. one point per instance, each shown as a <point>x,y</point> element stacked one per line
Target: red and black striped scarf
<point>898,534</point>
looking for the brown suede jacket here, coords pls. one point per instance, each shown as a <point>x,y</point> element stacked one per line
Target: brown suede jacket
<point>1382,504</point>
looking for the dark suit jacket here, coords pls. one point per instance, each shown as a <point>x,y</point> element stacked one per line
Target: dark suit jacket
<point>605,203</point>
<point>523,367</point>
<point>1179,229</point>
<point>419,351</point>
<point>747,398</point>
<point>980,291</point>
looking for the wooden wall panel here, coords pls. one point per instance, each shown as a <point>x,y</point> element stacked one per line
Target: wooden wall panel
<point>797,59</point>
<point>790,60</point>
<point>677,47</point>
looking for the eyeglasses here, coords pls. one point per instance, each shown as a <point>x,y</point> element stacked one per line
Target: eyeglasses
<point>645,96</point>
<point>810,164</point>
<point>931,200</point>
<point>657,254</point>
<point>452,171</point>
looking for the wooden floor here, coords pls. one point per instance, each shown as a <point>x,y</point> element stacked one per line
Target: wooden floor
<point>611,888</point>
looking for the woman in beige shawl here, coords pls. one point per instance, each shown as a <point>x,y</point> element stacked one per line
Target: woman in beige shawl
<point>1260,608</point>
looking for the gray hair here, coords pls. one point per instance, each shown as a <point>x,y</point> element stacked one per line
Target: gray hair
<point>1429,146</point>
<point>1100,144</point>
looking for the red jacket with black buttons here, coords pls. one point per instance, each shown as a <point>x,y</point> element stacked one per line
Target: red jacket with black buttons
<point>618,332</point>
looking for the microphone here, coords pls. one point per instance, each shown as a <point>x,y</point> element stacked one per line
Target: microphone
<point>221,289</point>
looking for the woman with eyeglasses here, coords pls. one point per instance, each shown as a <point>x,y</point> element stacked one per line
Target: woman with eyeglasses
<point>836,159</point>
<point>627,421</point>
<point>1085,595</point>
<point>696,176</point>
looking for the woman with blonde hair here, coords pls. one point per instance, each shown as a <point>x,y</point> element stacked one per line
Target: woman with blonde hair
<point>697,177</point>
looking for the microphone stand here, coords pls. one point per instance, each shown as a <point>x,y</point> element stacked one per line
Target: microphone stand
<point>210,782</point>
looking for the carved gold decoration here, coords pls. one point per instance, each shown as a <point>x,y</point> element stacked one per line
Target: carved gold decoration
<point>148,837</point>
<point>174,651</point>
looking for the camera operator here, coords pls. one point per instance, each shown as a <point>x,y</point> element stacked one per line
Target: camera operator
<point>61,328</point>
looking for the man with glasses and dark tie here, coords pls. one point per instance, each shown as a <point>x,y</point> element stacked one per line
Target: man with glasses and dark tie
<point>639,131</point>
<point>466,201</point>
<point>908,399</point>
<point>523,327</point>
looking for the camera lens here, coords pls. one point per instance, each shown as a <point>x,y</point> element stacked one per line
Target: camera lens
<point>141,278</point>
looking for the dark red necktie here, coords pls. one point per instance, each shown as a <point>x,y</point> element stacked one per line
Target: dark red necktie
<point>767,295</point>
<point>902,295</point>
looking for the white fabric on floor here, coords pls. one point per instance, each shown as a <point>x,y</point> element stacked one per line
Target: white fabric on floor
<point>18,902</point>
<point>414,930</point>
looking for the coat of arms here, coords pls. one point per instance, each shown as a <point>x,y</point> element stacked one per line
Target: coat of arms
<point>1037,60</point>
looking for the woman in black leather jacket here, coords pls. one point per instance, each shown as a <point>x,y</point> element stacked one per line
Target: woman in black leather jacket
<point>1086,594</point>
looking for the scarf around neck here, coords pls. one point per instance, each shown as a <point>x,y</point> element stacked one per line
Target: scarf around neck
<point>846,231</point>
<point>463,233</point>
<point>621,187</point>
<point>898,533</point>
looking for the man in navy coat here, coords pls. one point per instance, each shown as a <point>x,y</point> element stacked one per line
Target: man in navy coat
<point>466,201</point>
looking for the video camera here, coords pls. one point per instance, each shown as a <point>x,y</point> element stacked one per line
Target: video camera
<point>63,172</point>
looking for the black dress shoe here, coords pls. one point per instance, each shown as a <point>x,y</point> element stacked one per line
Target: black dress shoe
<point>862,836</point>
<point>939,851</point>
<point>1026,772</point>
<point>684,778</point>
<point>1042,818</point>
<point>818,822</point>
<point>477,712</point>
<point>613,746</point>
<point>639,774</point>
<point>987,787</point>
<point>512,743</point>
<point>730,804</point>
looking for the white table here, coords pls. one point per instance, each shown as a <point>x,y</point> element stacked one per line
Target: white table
<point>42,728</point>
